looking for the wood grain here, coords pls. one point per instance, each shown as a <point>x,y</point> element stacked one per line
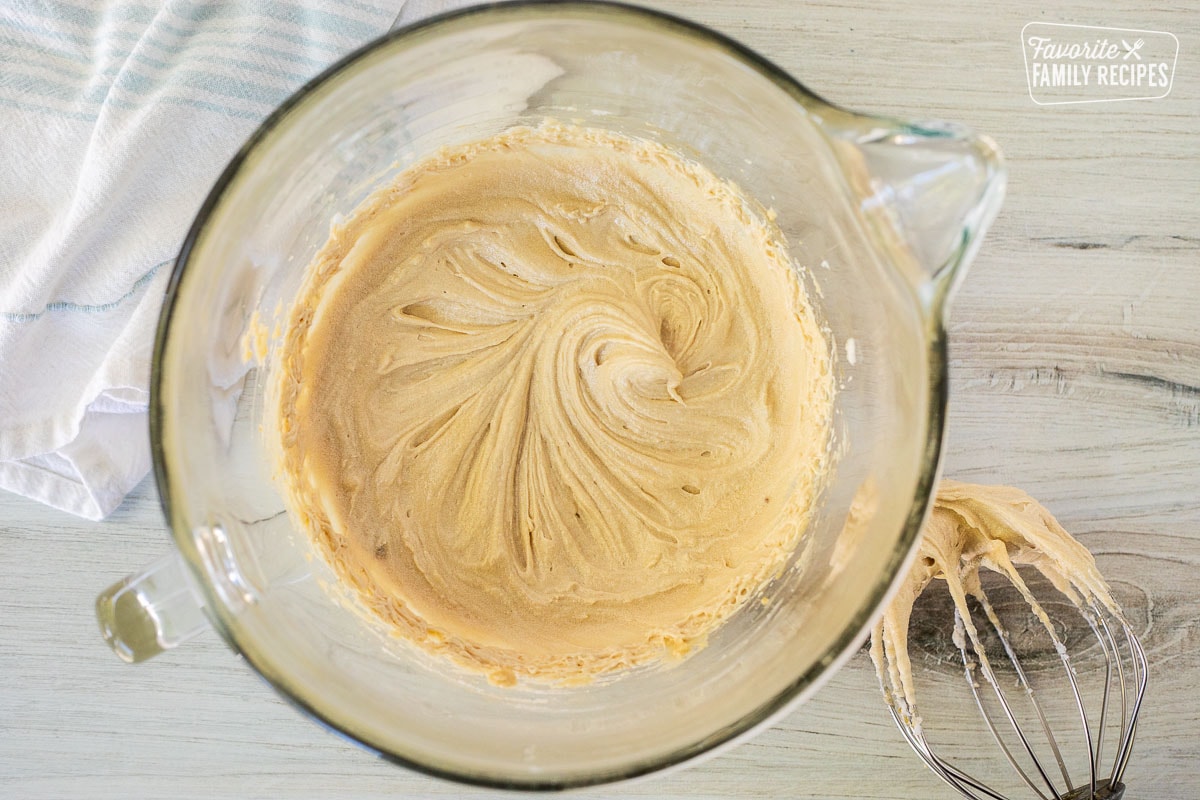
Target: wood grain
<point>1075,344</point>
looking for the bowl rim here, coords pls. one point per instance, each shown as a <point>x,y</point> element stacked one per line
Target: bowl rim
<point>798,690</point>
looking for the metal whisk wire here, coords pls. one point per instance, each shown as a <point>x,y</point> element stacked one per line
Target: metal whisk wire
<point>1130,686</point>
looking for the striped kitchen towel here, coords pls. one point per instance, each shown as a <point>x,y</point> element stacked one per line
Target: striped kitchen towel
<point>115,119</point>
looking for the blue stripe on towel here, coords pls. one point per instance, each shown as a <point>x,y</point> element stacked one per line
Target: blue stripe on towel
<point>100,308</point>
<point>82,116</point>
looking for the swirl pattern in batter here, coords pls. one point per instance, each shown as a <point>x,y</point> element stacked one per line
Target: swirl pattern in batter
<point>554,403</point>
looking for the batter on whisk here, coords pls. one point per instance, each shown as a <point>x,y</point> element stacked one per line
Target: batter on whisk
<point>974,527</point>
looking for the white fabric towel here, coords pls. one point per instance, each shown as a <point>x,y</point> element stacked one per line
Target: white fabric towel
<point>117,117</point>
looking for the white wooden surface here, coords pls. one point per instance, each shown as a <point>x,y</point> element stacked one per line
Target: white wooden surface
<point>1076,374</point>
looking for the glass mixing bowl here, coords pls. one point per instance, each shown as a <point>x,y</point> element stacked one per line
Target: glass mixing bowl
<point>881,217</point>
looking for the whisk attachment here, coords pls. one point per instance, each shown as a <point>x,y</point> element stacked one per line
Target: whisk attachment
<point>976,527</point>
<point>1026,738</point>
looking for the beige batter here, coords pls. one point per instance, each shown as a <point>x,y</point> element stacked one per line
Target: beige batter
<point>972,527</point>
<point>554,404</point>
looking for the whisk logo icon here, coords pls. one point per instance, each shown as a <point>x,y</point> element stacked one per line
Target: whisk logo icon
<point>1067,64</point>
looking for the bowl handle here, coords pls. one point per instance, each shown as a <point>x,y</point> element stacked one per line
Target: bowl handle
<point>155,610</point>
<point>930,190</point>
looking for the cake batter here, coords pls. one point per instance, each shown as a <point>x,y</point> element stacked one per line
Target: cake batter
<point>554,403</point>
